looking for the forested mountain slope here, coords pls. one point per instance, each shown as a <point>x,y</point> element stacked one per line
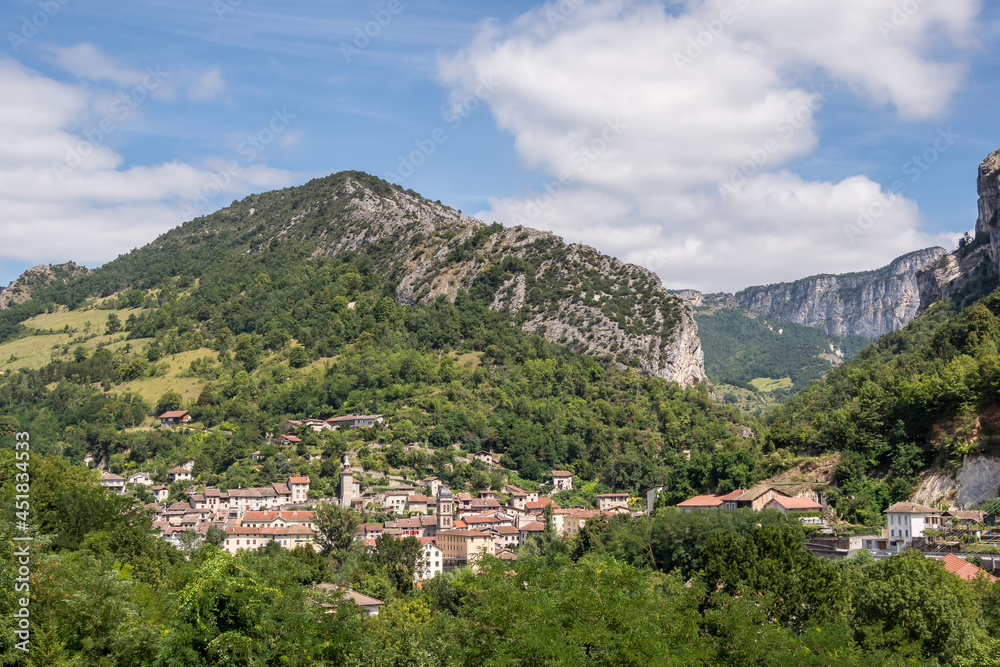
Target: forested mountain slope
<point>920,395</point>
<point>570,294</point>
<point>247,320</point>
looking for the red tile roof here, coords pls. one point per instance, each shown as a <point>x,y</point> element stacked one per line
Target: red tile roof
<point>964,568</point>
<point>175,414</point>
<point>298,480</point>
<point>702,501</point>
<point>797,503</point>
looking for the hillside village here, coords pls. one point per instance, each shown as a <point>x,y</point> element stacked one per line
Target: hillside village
<point>456,530</point>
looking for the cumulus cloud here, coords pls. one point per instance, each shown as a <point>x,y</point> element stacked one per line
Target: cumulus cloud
<point>64,192</point>
<point>666,128</point>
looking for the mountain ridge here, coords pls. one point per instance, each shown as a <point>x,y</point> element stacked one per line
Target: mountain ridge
<point>568,293</point>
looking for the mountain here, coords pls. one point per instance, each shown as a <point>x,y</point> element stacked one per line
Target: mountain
<point>867,303</point>
<point>349,295</point>
<point>19,291</point>
<point>570,294</point>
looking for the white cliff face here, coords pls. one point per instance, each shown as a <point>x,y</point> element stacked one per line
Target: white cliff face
<point>868,303</point>
<point>988,187</point>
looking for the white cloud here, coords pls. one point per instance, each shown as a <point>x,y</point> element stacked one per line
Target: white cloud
<point>88,63</point>
<point>207,86</point>
<point>665,131</point>
<point>92,208</point>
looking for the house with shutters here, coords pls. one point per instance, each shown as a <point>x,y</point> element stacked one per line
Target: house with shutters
<point>175,417</point>
<point>607,501</point>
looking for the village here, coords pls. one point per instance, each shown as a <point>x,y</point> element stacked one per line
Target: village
<point>456,529</point>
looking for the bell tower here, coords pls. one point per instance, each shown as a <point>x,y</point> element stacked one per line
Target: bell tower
<point>446,505</point>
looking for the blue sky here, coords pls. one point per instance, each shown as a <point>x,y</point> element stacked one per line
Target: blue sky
<point>604,121</point>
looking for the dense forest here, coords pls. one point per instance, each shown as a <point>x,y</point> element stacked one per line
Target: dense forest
<point>740,348</point>
<point>923,394</point>
<point>729,588</point>
<point>296,337</point>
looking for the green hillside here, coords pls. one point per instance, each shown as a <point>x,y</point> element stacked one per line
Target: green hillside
<point>248,340</point>
<point>924,394</point>
<point>741,349</point>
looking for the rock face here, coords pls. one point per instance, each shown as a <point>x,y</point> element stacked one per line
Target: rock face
<point>987,225</point>
<point>972,484</point>
<point>570,294</point>
<point>19,290</point>
<point>868,303</point>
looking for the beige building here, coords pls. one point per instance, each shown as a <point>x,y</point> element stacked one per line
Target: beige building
<point>562,480</point>
<point>462,548</point>
<point>350,488</point>
<point>606,501</point>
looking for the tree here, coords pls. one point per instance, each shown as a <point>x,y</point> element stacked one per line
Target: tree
<point>215,536</point>
<point>398,559</point>
<point>772,560</point>
<point>298,357</point>
<point>114,324</point>
<point>910,604</point>
<point>188,539</point>
<point>384,309</point>
<point>336,526</point>
<point>170,400</point>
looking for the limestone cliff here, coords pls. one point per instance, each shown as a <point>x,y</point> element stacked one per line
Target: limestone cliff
<point>570,294</point>
<point>19,290</point>
<point>867,303</point>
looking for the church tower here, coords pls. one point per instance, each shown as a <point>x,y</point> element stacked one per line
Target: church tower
<point>446,505</point>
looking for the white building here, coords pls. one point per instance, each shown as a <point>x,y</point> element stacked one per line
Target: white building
<point>114,482</point>
<point>140,478</point>
<point>431,561</point>
<point>904,523</point>
<point>178,475</point>
<point>562,480</point>
<point>299,486</point>
<point>651,494</point>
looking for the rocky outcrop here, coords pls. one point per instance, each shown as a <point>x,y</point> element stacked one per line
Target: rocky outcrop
<point>868,303</point>
<point>19,290</point>
<point>570,294</point>
<point>972,484</point>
